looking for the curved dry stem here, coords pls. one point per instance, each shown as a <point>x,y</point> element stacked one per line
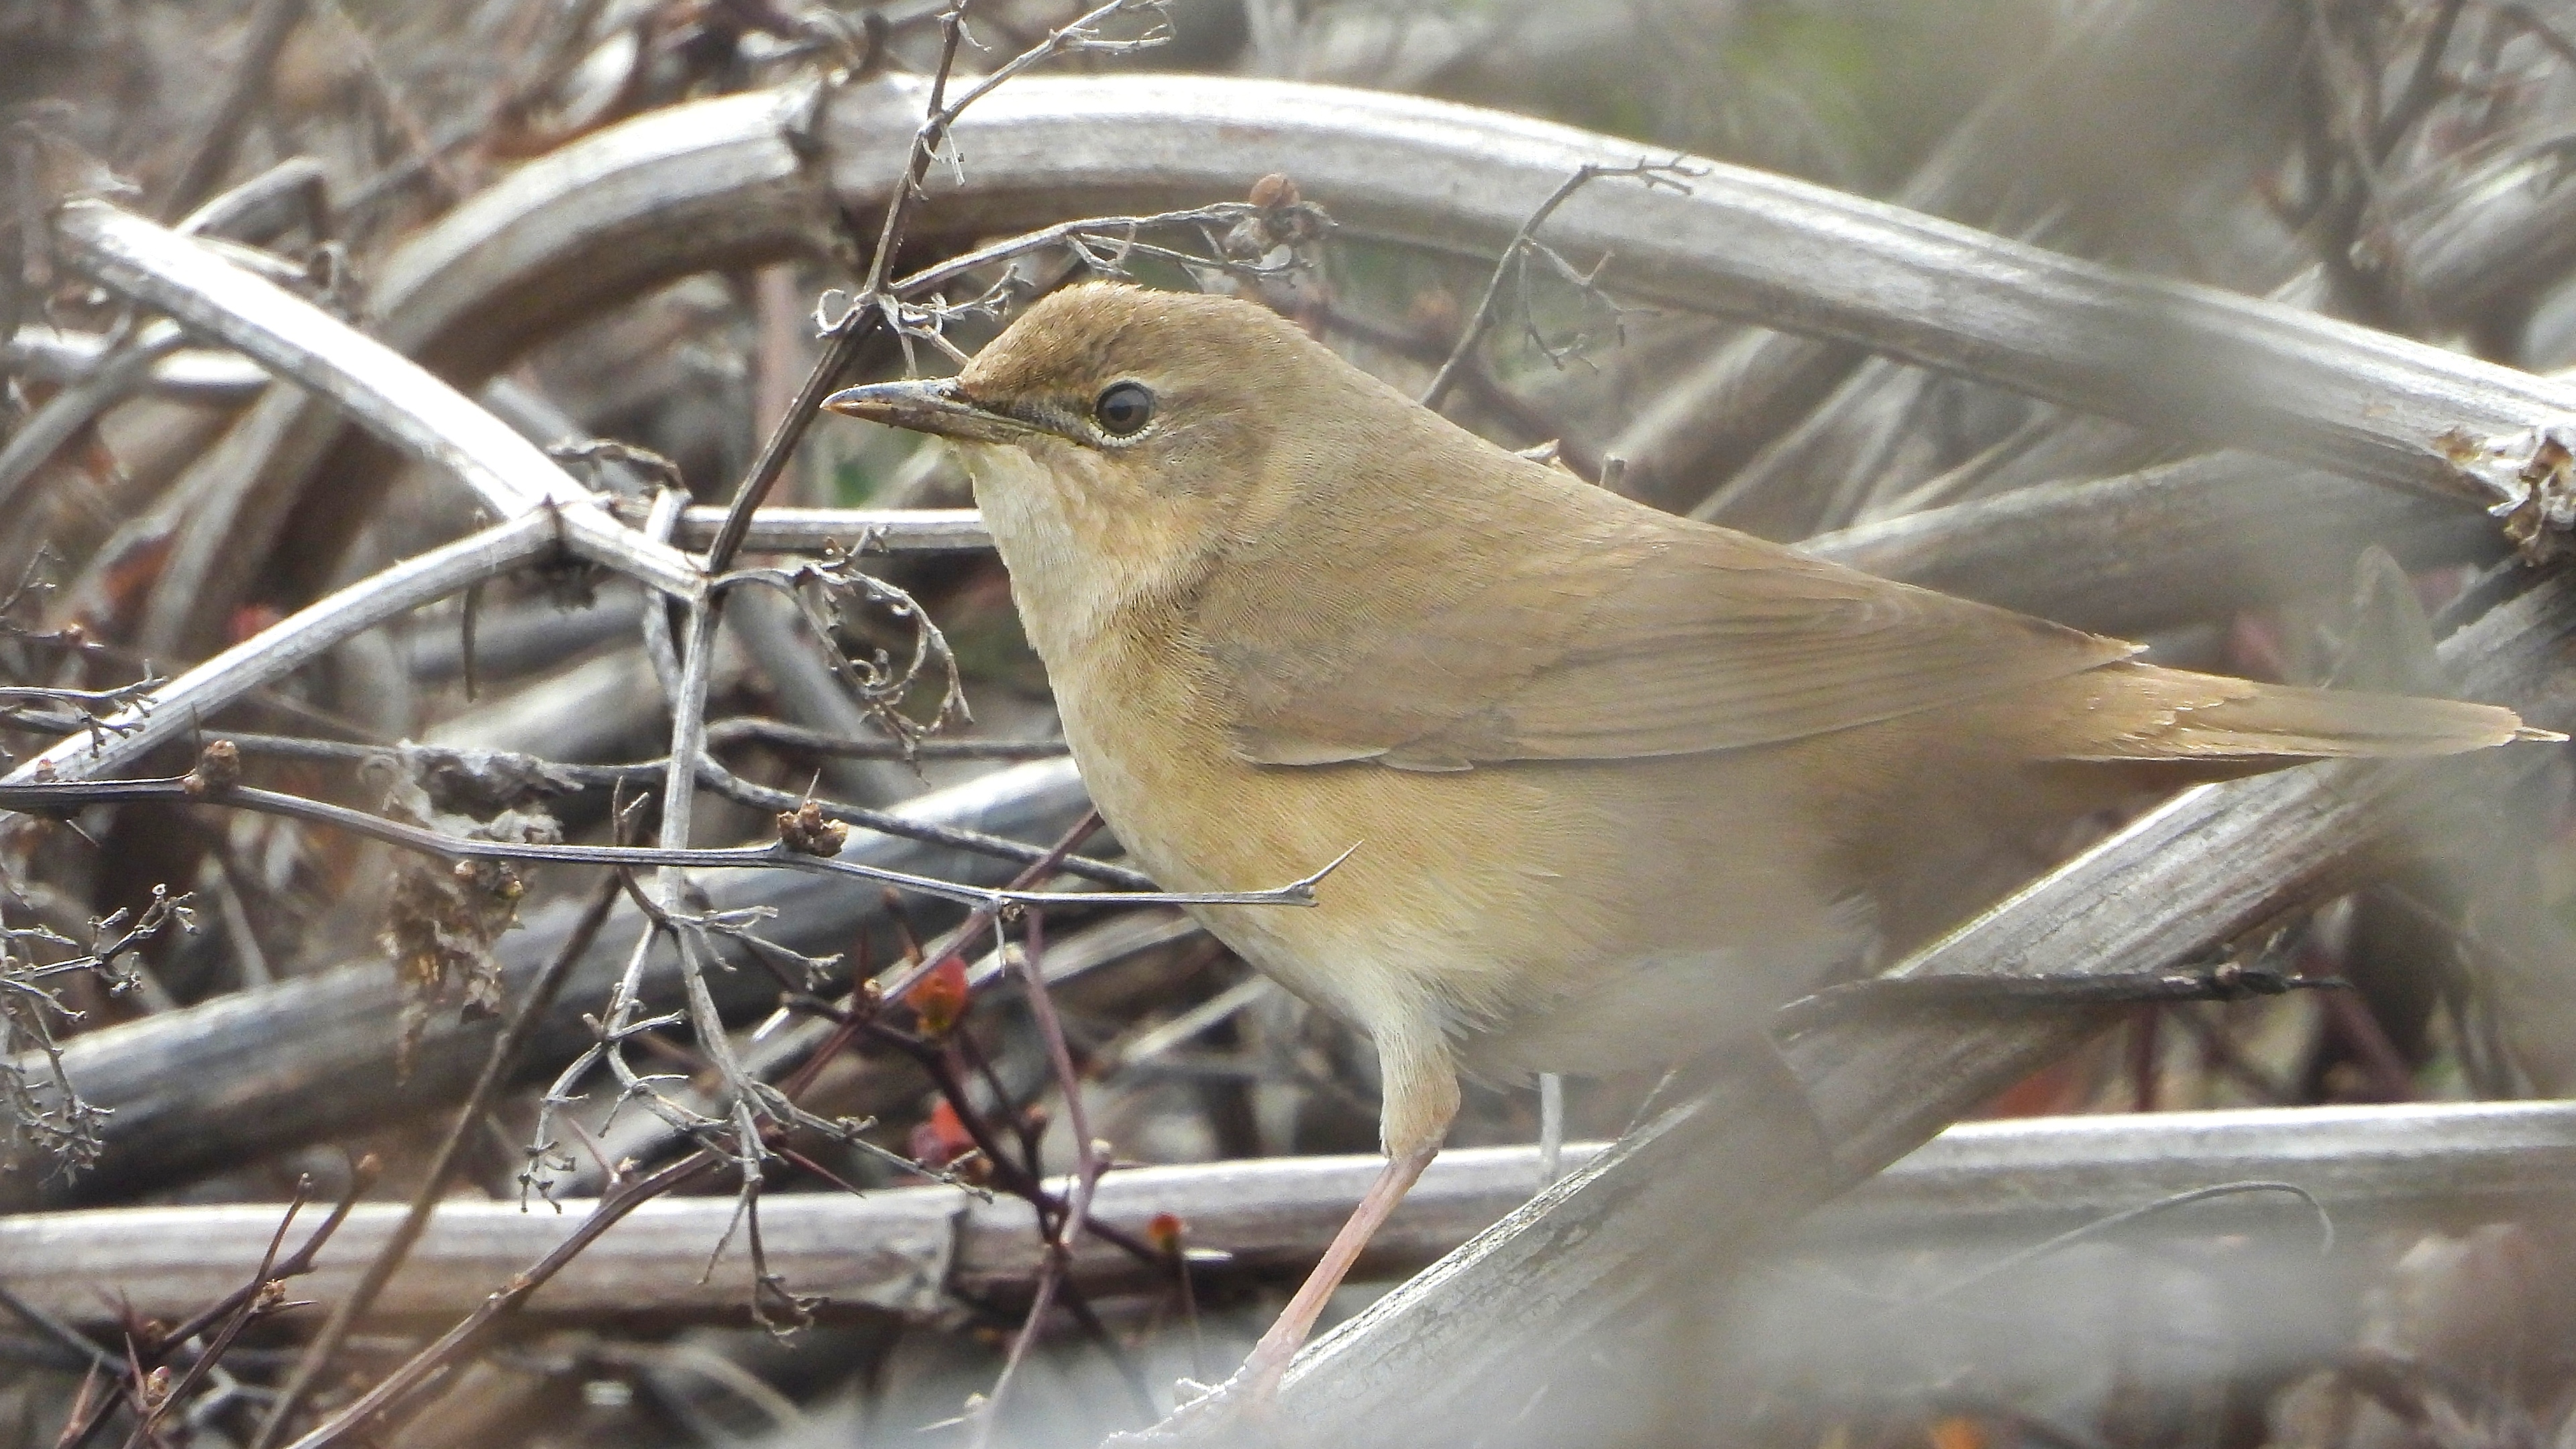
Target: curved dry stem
<point>387,392</point>
<point>277,651</point>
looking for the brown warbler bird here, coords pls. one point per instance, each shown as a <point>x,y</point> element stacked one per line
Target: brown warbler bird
<point>1620,783</point>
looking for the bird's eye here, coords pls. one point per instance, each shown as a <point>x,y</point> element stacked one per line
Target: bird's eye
<point>1123,409</point>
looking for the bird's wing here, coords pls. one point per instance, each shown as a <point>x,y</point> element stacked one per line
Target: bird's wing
<point>1619,633</point>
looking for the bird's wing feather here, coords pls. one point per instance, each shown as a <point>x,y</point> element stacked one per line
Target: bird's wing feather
<point>1609,631</point>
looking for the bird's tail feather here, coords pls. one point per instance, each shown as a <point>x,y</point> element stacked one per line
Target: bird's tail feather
<point>2140,712</point>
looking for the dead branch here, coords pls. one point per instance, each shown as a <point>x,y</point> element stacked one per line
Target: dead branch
<point>2372,1169</point>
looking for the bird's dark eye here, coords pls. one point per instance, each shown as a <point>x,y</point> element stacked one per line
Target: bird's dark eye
<point>1123,409</point>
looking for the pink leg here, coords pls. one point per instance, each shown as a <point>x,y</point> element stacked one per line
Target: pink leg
<point>1262,1371</point>
<point>1249,1395</point>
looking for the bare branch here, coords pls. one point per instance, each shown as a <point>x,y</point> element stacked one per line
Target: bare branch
<point>389,1258</point>
<point>54,796</point>
<point>2373,1169</point>
<point>389,393</point>
<point>874,301</point>
<point>1673,173</point>
<point>293,642</point>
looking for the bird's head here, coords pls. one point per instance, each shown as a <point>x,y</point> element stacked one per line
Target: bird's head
<point>1153,425</point>
<point>1131,378</point>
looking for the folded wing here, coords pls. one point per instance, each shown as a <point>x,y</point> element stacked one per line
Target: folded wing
<point>1610,631</point>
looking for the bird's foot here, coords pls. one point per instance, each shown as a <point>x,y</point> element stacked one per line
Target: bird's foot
<point>1239,1412</point>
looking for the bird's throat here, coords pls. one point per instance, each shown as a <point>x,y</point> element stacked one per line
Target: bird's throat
<point>1088,559</point>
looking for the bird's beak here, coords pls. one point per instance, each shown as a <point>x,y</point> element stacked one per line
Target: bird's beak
<point>930,406</point>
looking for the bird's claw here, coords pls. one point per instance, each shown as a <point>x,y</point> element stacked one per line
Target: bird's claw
<point>1236,1414</point>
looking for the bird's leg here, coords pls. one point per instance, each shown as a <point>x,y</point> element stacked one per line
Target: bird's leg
<point>1262,1371</point>
<point>1417,1100</point>
<point>1255,1386</point>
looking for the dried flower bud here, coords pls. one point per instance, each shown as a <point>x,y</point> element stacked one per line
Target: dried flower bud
<point>1272,190</point>
<point>218,769</point>
<point>805,831</point>
<point>1284,219</point>
<point>1165,1231</point>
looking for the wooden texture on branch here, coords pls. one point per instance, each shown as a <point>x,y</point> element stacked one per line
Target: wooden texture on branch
<point>1989,1185</point>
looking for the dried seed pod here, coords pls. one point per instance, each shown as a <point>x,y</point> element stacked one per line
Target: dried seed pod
<point>219,768</point>
<point>806,831</point>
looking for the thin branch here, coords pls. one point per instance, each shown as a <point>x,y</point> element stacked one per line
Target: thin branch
<point>234,1309</point>
<point>262,1289</point>
<point>1489,307</point>
<point>1089,1161</point>
<point>819,742</point>
<point>861,530</point>
<point>1116,232</point>
<point>874,302</point>
<point>715,776</point>
<point>294,641</point>
<point>453,1344</point>
<point>59,797</point>
<point>56,1330</point>
<point>706,1021</point>
<point>497,1067</point>
<point>841,344</point>
<point>899,984</point>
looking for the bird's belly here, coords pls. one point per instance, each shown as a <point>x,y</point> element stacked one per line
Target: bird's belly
<point>1663,1009</point>
<point>1548,917</point>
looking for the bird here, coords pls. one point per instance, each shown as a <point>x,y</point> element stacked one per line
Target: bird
<point>1613,784</point>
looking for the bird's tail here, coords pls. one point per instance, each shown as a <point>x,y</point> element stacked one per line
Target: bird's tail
<point>2139,712</point>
